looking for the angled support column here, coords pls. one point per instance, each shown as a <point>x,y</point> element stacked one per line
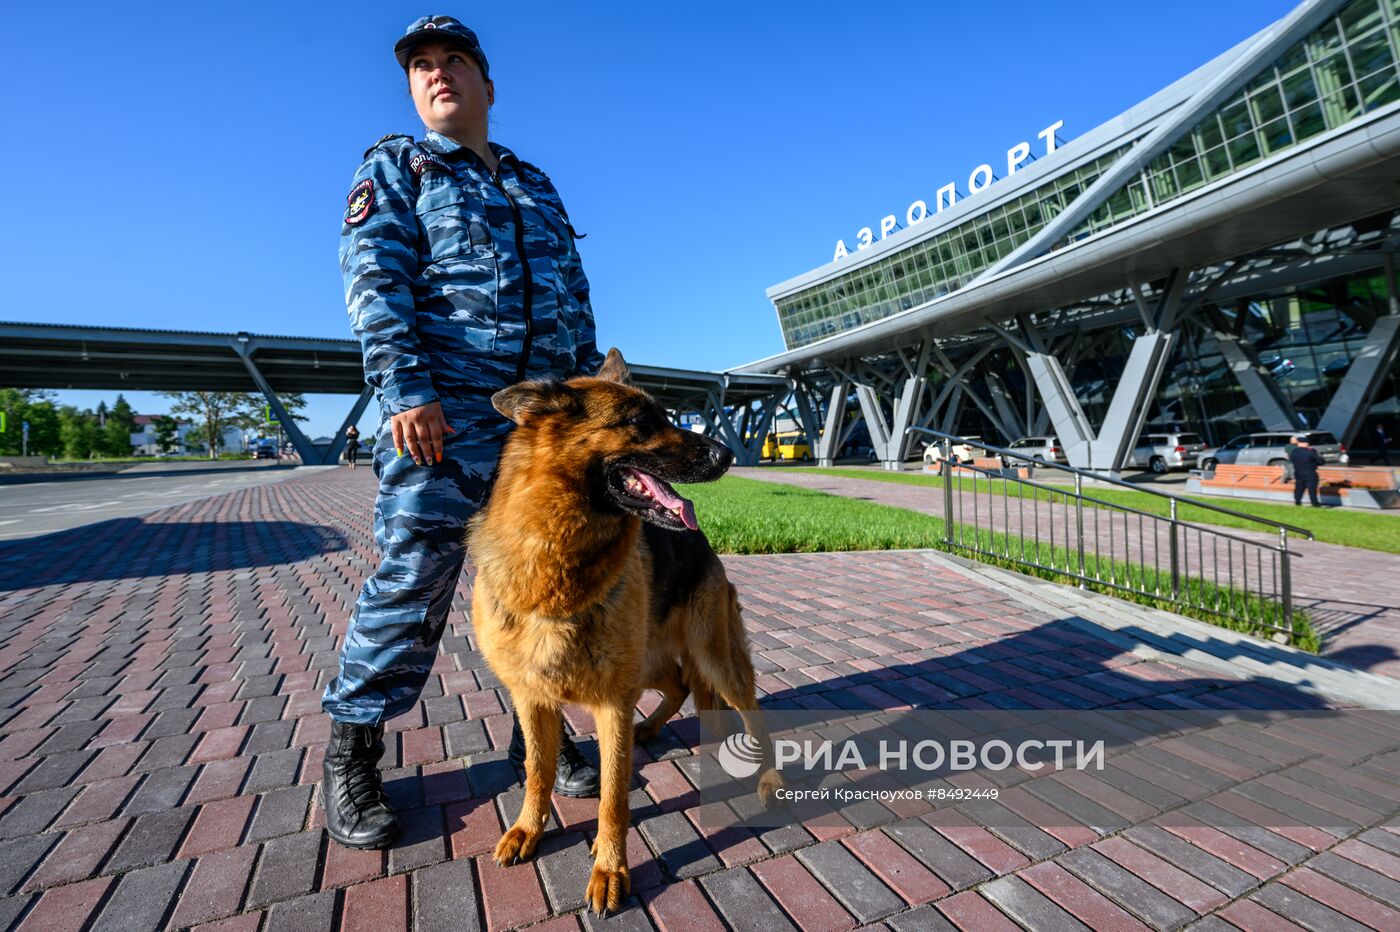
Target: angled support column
<point>1108,449</point>
<point>1132,400</point>
<point>1011,425</point>
<point>310,456</point>
<point>888,437</point>
<point>748,454</point>
<point>724,427</point>
<point>835,425</point>
<point>959,374</point>
<point>1348,408</point>
<point>807,412</point>
<point>357,409</point>
<point>1032,422</point>
<point>1059,404</point>
<point>1273,407</point>
<point>1058,401</point>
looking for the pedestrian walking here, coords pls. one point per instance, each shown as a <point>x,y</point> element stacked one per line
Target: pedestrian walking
<point>352,444</point>
<point>1305,462</point>
<point>461,278</point>
<point>1383,444</point>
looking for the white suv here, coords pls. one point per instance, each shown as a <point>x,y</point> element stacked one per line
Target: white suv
<point>1047,449</point>
<point>962,452</point>
<point>1164,452</point>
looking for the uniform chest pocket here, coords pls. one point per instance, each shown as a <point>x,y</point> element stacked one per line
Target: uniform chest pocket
<point>453,220</point>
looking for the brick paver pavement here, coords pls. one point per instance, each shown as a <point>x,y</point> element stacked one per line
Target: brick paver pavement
<point>160,741</point>
<point>1353,595</point>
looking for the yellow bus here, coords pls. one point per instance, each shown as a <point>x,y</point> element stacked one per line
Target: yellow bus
<point>787,446</point>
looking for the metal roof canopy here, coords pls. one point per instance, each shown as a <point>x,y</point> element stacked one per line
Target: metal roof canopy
<point>1332,180</point>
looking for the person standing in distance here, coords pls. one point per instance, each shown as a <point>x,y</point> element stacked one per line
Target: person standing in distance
<point>461,278</point>
<point>1305,462</point>
<point>352,445</point>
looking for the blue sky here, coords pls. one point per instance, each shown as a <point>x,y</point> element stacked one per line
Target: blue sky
<point>184,166</point>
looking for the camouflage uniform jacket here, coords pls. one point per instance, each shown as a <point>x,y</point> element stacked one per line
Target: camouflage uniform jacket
<point>460,282</point>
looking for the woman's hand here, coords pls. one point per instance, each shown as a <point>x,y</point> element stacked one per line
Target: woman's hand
<point>420,431</point>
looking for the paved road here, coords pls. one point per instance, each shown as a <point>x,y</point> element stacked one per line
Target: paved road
<point>42,505</point>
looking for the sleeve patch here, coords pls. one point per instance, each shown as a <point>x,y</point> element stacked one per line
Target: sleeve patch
<point>422,162</point>
<point>359,204</point>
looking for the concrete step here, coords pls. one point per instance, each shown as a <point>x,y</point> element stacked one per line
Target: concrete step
<point>1153,633</point>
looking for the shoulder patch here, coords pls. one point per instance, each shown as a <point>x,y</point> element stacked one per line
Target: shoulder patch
<point>359,204</point>
<point>424,162</point>
<point>385,138</point>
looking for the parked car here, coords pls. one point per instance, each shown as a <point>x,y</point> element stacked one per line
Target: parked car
<point>265,449</point>
<point>961,453</point>
<point>1271,449</point>
<point>1047,449</point>
<point>1164,452</point>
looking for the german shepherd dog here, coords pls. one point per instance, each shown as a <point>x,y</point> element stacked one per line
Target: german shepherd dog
<point>593,582</point>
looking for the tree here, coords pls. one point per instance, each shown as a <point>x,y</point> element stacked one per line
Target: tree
<point>215,411</point>
<point>78,432</point>
<point>167,433</point>
<point>36,407</point>
<point>121,424</point>
<point>257,417</point>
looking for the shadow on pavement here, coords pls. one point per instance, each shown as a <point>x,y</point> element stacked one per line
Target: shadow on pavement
<point>30,478</point>
<point>130,548</point>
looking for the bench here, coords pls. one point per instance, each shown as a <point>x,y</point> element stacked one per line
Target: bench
<point>1381,478</point>
<point>1260,478</point>
<point>1352,486</point>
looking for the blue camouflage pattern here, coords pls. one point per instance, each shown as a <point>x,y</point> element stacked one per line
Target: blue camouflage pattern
<point>458,283</point>
<point>420,520</point>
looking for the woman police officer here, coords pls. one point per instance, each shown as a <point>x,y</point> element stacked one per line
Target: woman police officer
<point>461,278</point>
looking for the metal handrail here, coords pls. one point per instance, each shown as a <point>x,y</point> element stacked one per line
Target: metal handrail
<point>1193,550</point>
<point>1056,490</point>
<point>1097,477</point>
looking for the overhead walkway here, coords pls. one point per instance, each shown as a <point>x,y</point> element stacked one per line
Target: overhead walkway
<point>732,407</point>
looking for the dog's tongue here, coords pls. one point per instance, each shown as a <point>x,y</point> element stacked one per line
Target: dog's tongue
<point>667,496</point>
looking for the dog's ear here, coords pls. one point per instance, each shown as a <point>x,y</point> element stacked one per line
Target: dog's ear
<point>614,369</point>
<point>527,399</point>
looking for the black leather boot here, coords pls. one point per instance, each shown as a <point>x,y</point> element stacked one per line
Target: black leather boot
<point>575,776</point>
<point>358,814</point>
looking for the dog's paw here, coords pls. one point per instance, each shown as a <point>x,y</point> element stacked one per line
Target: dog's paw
<point>768,786</point>
<point>607,888</point>
<point>516,844</point>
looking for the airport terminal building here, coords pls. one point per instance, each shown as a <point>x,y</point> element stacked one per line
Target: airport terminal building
<point>1217,259</point>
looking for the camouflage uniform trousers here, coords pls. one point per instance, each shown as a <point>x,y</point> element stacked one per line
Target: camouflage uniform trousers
<point>420,521</point>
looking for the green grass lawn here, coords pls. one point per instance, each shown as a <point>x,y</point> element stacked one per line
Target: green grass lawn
<point>1333,525</point>
<point>747,516</point>
<point>750,516</point>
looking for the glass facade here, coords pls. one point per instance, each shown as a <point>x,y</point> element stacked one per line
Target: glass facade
<point>932,268</point>
<point>1344,69</point>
